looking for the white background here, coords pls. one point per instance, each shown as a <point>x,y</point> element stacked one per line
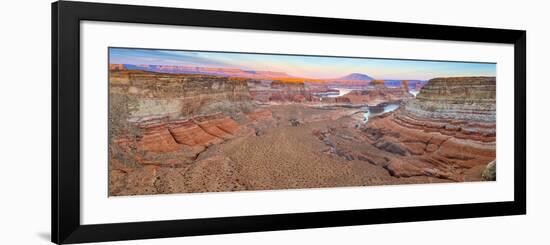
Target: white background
<point>25,124</point>
<point>96,208</point>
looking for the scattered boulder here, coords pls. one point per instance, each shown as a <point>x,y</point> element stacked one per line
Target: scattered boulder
<point>294,122</point>
<point>490,172</point>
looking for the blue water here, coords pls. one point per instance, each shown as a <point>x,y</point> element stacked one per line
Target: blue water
<point>327,94</point>
<point>387,108</point>
<point>333,94</point>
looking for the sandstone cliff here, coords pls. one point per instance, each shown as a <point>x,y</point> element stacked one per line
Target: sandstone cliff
<point>280,91</point>
<point>464,98</point>
<point>447,131</point>
<point>176,95</point>
<point>169,119</point>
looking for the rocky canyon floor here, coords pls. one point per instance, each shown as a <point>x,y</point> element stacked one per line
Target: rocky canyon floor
<point>291,146</point>
<point>229,134</point>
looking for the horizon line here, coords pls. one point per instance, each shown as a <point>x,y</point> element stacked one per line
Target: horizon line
<point>291,76</point>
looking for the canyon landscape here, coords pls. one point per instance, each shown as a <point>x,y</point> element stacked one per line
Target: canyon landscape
<point>197,121</point>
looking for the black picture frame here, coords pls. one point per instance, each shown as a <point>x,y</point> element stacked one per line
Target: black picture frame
<point>65,171</point>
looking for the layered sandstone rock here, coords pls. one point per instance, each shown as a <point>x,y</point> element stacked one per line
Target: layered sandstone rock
<point>204,130</point>
<point>170,155</point>
<point>195,133</point>
<point>171,118</point>
<point>165,142</point>
<point>217,125</point>
<point>176,95</point>
<point>463,98</point>
<point>448,131</point>
<point>190,133</point>
<point>156,137</point>
<point>297,92</point>
<point>280,91</point>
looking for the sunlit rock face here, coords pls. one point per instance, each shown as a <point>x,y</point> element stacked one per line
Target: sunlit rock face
<point>447,131</point>
<point>176,94</point>
<point>281,91</point>
<point>288,91</point>
<point>462,98</point>
<point>464,107</point>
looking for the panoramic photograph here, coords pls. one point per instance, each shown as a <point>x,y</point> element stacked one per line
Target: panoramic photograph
<point>183,121</point>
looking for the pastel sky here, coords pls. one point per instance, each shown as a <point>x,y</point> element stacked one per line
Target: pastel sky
<point>304,66</point>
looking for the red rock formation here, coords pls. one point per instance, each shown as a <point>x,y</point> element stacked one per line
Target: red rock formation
<point>228,125</point>
<point>416,151</point>
<point>157,138</point>
<point>163,109</point>
<point>448,130</point>
<point>479,131</point>
<point>218,125</point>
<point>189,133</point>
<point>203,130</point>
<point>165,142</point>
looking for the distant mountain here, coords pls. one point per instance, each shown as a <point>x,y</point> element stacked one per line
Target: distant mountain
<point>353,80</point>
<point>357,77</point>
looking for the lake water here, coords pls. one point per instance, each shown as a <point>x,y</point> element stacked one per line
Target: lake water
<point>327,94</point>
<point>333,94</point>
<point>371,111</point>
<point>343,91</point>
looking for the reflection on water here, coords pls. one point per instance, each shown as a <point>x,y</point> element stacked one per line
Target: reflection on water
<point>371,111</point>
<point>332,94</point>
<point>343,91</point>
<point>390,108</point>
